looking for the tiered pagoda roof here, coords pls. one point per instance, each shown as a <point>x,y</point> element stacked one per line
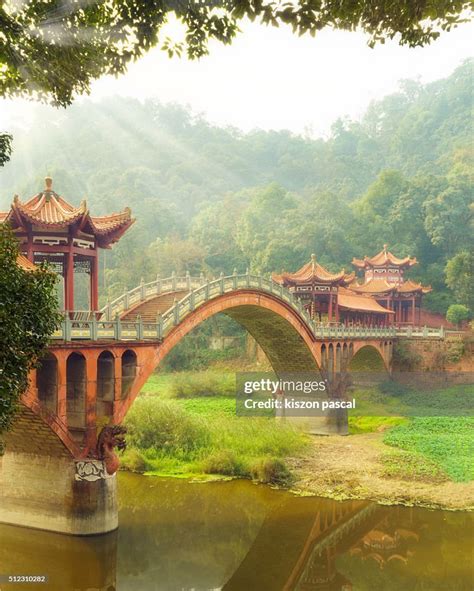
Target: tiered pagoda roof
<point>313,272</point>
<point>49,211</point>
<point>382,259</point>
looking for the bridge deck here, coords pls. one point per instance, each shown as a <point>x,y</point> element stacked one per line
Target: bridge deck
<point>151,310</point>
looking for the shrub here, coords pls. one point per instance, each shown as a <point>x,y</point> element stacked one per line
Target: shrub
<point>164,426</point>
<point>222,462</point>
<point>457,313</point>
<point>133,460</point>
<point>455,351</point>
<point>393,388</point>
<point>270,471</point>
<point>188,385</point>
<point>404,357</point>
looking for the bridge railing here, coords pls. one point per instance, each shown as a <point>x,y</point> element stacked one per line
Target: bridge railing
<point>145,291</point>
<point>425,332</point>
<point>200,290</point>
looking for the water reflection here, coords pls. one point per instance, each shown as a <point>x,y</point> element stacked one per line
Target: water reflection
<point>237,536</point>
<point>70,563</point>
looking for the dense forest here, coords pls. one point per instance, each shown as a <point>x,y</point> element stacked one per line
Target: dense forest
<point>213,199</point>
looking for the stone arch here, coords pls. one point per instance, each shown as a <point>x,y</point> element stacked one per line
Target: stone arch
<point>368,357</point>
<point>281,332</point>
<point>76,384</point>
<point>129,371</point>
<point>47,382</point>
<point>105,384</point>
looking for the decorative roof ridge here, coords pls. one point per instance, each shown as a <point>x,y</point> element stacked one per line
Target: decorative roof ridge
<point>25,263</point>
<point>313,271</point>
<point>127,212</point>
<point>384,257</point>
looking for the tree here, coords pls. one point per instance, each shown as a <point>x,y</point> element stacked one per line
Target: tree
<point>460,277</point>
<point>53,49</point>
<point>5,148</point>
<point>215,229</point>
<point>28,316</point>
<point>270,231</point>
<point>457,313</point>
<point>448,216</point>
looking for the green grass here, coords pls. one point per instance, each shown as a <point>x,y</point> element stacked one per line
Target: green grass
<point>185,424</point>
<point>209,406</point>
<point>448,442</point>
<point>391,399</point>
<point>158,383</point>
<point>408,465</point>
<point>195,436</point>
<point>189,384</point>
<point>369,424</point>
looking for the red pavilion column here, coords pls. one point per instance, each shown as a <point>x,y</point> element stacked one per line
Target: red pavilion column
<point>69,284</point>
<point>91,398</point>
<point>337,308</point>
<point>413,318</point>
<point>94,300</point>
<point>29,249</point>
<point>330,308</point>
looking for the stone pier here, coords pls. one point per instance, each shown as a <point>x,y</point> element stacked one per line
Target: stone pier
<point>43,487</point>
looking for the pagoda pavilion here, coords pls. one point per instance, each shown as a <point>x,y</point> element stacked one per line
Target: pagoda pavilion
<point>326,296</point>
<point>385,282</point>
<point>50,229</point>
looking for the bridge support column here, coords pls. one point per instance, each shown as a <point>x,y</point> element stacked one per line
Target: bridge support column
<point>91,400</point>
<point>44,487</point>
<point>44,492</point>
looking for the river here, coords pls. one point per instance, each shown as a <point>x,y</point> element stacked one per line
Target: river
<point>238,536</point>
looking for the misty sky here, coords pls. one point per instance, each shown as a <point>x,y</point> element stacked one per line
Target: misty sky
<point>272,79</point>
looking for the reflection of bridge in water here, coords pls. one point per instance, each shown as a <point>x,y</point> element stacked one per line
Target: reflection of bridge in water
<point>296,550</point>
<point>278,543</point>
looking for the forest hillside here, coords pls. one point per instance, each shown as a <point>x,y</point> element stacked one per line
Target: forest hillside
<point>213,199</point>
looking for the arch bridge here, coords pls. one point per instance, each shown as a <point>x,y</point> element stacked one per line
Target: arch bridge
<point>97,364</point>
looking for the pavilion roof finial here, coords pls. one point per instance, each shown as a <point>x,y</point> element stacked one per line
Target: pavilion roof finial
<point>385,246</point>
<point>313,260</point>
<point>48,183</point>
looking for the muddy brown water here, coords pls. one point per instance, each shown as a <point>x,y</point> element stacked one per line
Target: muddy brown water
<point>238,536</point>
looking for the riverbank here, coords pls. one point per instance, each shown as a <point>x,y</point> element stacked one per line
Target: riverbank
<point>184,426</point>
<point>358,467</point>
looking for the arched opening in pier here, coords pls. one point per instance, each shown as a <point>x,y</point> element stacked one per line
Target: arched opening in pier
<point>105,384</point>
<point>47,382</point>
<point>129,371</point>
<point>368,359</point>
<point>76,383</point>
